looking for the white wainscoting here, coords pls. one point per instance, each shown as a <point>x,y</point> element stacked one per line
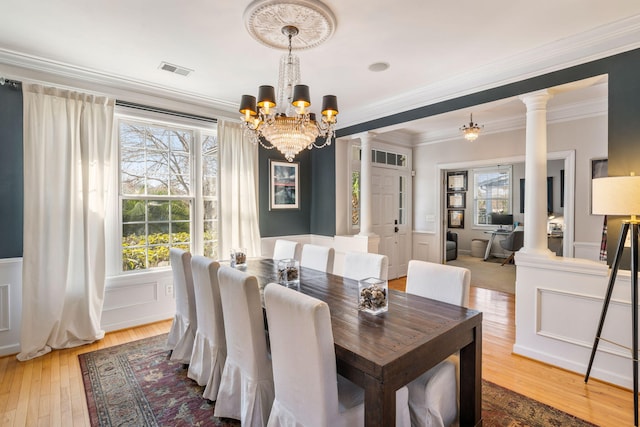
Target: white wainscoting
<point>425,247</point>
<point>587,250</point>
<point>558,306</point>
<point>137,299</point>
<point>10,305</point>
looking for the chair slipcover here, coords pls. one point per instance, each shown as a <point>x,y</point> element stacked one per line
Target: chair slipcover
<point>433,396</point>
<point>210,345</point>
<point>441,282</point>
<point>317,257</point>
<point>360,265</point>
<point>308,390</point>
<point>285,249</point>
<point>183,328</point>
<point>246,391</point>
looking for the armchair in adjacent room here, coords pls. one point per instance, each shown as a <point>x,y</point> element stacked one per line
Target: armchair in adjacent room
<point>513,242</point>
<point>452,246</point>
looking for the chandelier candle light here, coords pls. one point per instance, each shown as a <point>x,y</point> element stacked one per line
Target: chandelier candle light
<point>471,131</point>
<point>290,128</point>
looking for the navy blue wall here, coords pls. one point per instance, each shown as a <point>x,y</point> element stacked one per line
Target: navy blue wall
<point>11,181</point>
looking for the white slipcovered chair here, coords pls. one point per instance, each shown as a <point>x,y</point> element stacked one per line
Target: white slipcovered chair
<point>360,265</point>
<point>185,323</point>
<point>317,257</point>
<point>309,392</point>
<point>284,249</point>
<point>433,396</point>
<point>246,391</point>
<point>210,345</point>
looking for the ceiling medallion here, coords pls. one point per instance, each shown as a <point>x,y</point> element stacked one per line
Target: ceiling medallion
<point>264,20</point>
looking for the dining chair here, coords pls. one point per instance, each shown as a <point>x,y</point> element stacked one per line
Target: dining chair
<point>183,329</point>
<point>309,392</point>
<point>513,242</point>
<point>433,396</point>
<point>210,344</point>
<point>285,249</point>
<point>360,265</point>
<point>317,257</point>
<point>246,390</point>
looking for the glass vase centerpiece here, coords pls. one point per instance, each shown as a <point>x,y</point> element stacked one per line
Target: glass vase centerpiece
<point>289,272</point>
<point>238,257</point>
<point>373,295</point>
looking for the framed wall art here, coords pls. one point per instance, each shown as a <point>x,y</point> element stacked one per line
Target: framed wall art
<point>455,218</point>
<point>457,181</point>
<point>283,185</point>
<point>456,200</point>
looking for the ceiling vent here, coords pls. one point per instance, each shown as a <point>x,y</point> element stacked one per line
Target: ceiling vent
<point>175,69</point>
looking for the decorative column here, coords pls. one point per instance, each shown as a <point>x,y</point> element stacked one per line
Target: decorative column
<point>535,189</point>
<point>366,210</point>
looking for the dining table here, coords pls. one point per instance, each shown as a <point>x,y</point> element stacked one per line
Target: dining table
<point>383,352</point>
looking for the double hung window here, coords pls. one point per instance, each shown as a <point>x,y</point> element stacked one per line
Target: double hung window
<point>168,191</point>
<point>492,193</point>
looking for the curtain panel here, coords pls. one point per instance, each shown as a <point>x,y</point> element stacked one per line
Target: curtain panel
<point>67,146</point>
<point>239,226</point>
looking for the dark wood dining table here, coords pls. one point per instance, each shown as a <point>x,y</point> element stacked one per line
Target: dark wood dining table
<point>381,353</point>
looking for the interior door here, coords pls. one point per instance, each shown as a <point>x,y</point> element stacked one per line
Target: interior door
<point>390,201</point>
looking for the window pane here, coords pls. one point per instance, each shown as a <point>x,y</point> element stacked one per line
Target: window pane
<point>381,157</point>
<point>133,210</point>
<point>180,210</point>
<point>492,191</point>
<point>210,209</point>
<point>391,159</point>
<point>158,210</point>
<point>355,198</point>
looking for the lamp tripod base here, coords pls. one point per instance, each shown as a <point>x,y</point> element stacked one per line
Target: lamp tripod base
<point>624,231</point>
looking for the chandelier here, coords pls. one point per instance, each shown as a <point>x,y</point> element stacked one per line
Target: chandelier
<point>471,131</point>
<point>287,124</point>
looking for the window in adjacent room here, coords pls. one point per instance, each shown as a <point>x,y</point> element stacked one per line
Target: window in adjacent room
<point>491,192</point>
<point>168,192</point>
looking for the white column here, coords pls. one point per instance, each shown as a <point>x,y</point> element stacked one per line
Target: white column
<point>366,210</point>
<point>535,189</point>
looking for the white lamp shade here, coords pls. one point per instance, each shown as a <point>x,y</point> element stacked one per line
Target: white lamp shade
<point>616,195</point>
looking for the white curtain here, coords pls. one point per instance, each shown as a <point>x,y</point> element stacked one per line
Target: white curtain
<point>238,191</point>
<point>67,146</point>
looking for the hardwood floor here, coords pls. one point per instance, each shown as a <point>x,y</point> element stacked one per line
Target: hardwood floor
<point>48,391</point>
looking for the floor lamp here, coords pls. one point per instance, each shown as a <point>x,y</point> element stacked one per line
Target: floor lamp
<point>620,195</point>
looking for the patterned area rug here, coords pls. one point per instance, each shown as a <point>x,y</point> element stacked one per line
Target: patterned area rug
<point>135,384</point>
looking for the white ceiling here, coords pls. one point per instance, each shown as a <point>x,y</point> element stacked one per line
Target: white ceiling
<point>437,50</point>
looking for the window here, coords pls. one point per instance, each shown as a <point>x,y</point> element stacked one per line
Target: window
<point>492,193</point>
<point>164,202</point>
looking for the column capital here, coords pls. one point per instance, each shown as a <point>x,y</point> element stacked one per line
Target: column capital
<point>536,100</point>
<point>363,136</point>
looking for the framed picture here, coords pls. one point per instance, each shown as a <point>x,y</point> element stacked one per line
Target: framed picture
<point>456,200</point>
<point>283,185</point>
<point>599,169</point>
<point>455,219</point>
<point>457,181</point>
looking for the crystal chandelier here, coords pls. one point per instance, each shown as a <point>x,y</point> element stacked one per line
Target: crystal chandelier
<point>287,124</point>
<point>471,131</point>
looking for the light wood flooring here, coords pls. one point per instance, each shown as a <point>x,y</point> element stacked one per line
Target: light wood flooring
<point>48,391</point>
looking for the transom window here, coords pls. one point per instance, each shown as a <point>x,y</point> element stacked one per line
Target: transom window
<point>492,193</point>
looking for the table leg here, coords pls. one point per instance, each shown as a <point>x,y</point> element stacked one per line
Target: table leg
<point>471,381</point>
<point>379,404</point>
<point>487,251</point>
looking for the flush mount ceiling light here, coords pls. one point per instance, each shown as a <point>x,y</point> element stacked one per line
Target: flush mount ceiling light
<point>472,130</point>
<point>286,123</point>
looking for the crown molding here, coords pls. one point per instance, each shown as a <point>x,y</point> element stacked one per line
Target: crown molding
<point>568,112</point>
<point>601,42</point>
<point>41,70</point>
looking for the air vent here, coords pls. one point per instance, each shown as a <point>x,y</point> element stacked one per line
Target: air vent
<point>175,69</point>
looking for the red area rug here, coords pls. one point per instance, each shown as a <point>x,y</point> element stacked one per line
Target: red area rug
<point>135,384</point>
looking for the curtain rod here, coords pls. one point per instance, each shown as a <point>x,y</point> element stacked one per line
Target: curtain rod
<point>8,82</point>
<point>164,111</point>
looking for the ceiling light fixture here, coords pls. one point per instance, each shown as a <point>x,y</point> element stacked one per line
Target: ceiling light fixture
<point>472,130</point>
<point>286,123</point>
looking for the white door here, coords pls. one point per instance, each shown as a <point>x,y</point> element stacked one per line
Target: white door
<point>390,192</point>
